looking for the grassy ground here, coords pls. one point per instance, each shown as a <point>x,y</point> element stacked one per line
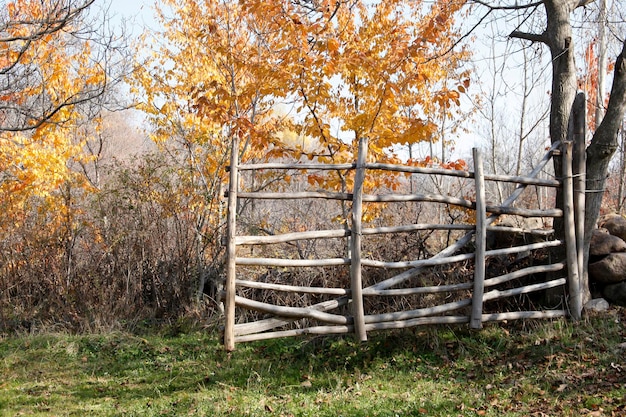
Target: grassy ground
<point>554,368</point>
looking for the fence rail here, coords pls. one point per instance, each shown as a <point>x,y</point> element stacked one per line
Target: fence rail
<point>318,318</point>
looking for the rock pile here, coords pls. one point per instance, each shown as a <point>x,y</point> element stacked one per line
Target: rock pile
<point>607,259</point>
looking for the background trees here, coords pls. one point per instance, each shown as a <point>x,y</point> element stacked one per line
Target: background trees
<point>88,204</point>
<point>55,75</point>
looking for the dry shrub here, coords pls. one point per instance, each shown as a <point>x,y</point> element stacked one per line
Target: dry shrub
<point>129,252</point>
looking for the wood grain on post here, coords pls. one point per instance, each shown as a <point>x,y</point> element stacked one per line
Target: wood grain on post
<point>481,242</point>
<point>231,250</point>
<point>356,282</point>
<point>573,276</point>
<point>579,134</point>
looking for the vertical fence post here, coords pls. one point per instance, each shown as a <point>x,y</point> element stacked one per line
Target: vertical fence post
<point>356,283</point>
<point>571,252</point>
<point>481,242</point>
<point>579,127</point>
<point>231,249</point>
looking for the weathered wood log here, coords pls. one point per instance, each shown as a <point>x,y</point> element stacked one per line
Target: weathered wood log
<point>399,198</point>
<point>415,227</point>
<point>403,292</point>
<point>418,263</point>
<point>518,230</point>
<point>231,250</point>
<point>524,272</point>
<point>356,282</point>
<point>324,195</point>
<point>340,233</point>
<point>517,315</point>
<point>293,262</point>
<point>297,165</point>
<point>291,237</point>
<point>420,312</point>
<point>292,288</point>
<point>481,243</point>
<point>403,324</point>
<point>499,294</point>
<point>526,180</point>
<point>578,121</point>
<point>524,248</point>
<point>316,330</point>
<point>293,312</point>
<point>576,306</point>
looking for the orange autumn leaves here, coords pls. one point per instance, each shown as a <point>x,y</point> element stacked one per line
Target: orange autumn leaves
<point>47,69</point>
<point>324,72</point>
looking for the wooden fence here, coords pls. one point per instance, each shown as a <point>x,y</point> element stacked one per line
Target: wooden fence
<point>318,318</point>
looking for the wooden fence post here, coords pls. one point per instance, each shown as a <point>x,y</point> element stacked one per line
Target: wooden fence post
<point>481,242</point>
<point>579,126</point>
<point>571,252</point>
<point>231,249</point>
<point>356,284</point>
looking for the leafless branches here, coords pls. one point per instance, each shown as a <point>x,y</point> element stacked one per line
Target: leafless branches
<point>27,38</point>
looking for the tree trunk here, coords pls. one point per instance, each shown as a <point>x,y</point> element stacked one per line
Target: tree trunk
<point>603,146</point>
<point>558,37</point>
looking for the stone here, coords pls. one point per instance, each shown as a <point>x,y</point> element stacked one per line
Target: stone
<point>504,239</point>
<point>597,305</point>
<point>616,225</point>
<point>609,270</point>
<point>602,243</point>
<point>616,293</point>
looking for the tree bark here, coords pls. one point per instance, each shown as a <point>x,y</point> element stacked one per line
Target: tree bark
<point>558,37</point>
<point>603,145</point>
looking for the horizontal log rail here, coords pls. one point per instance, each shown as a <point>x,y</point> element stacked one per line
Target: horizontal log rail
<point>300,263</point>
<point>291,288</point>
<point>528,180</point>
<point>340,233</point>
<point>401,198</point>
<point>346,329</point>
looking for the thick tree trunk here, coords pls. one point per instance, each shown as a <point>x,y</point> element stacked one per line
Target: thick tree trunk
<point>558,37</point>
<point>603,146</point>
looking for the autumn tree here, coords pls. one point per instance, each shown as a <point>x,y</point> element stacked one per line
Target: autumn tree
<point>325,73</point>
<point>56,67</point>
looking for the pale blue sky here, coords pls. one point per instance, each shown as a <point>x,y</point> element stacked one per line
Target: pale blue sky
<point>136,13</point>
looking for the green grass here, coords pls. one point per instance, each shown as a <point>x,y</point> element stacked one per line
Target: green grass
<point>557,368</point>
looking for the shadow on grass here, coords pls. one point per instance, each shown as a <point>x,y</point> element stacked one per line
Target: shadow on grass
<point>192,370</point>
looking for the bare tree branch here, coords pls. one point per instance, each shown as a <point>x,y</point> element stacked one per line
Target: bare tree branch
<point>19,35</point>
<point>533,37</point>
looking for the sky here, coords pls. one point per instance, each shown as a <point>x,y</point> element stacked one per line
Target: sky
<point>138,13</point>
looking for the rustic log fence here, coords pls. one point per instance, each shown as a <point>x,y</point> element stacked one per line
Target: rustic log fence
<point>563,273</point>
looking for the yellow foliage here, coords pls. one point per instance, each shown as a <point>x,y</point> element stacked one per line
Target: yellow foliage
<point>36,159</point>
<point>224,68</point>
